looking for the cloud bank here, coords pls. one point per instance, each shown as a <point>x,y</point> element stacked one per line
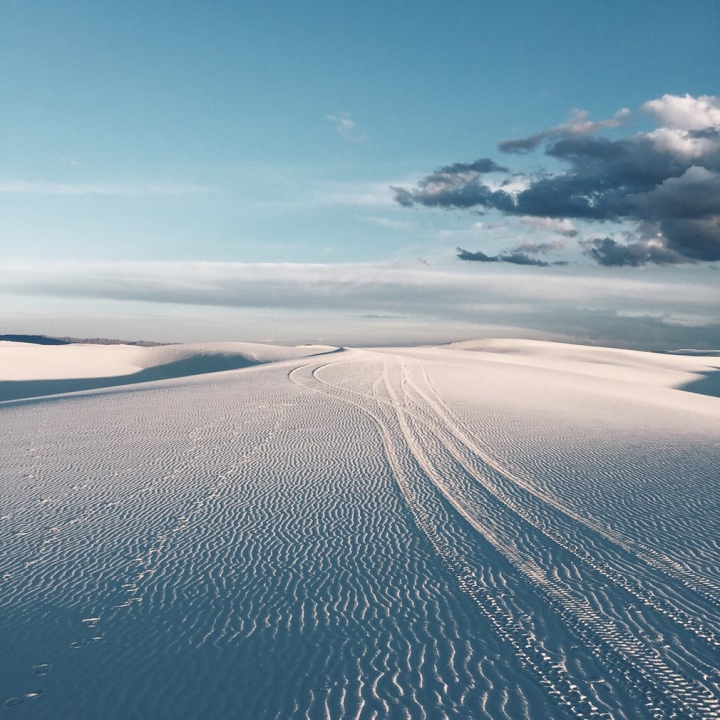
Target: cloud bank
<point>665,182</point>
<point>592,306</point>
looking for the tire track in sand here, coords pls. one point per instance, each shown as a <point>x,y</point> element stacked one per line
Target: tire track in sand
<point>567,691</point>
<point>667,691</point>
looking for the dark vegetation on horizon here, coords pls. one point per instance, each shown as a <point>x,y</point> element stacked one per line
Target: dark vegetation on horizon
<point>46,340</point>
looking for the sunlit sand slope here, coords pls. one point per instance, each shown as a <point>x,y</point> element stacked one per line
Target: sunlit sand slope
<point>689,370</point>
<point>28,370</point>
<point>392,534</point>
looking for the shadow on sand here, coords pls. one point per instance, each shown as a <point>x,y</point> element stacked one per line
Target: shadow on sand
<point>22,389</point>
<point>708,384</point>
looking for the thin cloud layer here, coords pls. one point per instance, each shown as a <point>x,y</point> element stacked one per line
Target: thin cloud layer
<point>348,285</point>
<point>561,227</point>
<point>100,188</point>
<point>635,312</point>
<point>666,182</point>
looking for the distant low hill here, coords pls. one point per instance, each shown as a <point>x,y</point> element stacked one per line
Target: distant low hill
<point>29,370</point>
<point>46,340</point>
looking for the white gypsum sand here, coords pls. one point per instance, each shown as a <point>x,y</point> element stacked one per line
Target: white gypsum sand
<point>524,530</point>
<point>28,370</point>
<point>631,366</point>
<point>25,361</point>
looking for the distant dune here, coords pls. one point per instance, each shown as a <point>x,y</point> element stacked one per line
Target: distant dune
<point>29,369</point>
<point>687,370</point>
<point>33,370</point>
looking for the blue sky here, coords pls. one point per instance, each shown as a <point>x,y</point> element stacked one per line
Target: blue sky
<point>140,134</point>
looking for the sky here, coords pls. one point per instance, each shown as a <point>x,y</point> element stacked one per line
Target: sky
<point>361,174</point>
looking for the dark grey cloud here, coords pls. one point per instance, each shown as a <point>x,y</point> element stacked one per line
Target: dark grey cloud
<point>541,248</point>
<point>520,258</point>
<point>483,165</point>
<point>517,258</point>
<point>695,239</point>
<point>668,179</point>
<point>514,258</point>
<point>454,191</point>
<point>475,256</point>
<point>706,133</point>
<point>609,253</point>
<point>522,145</point>
<point>403,196</point>
<point>460,175</point>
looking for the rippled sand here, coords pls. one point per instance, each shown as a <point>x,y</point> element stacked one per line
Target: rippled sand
<point>508,531</point>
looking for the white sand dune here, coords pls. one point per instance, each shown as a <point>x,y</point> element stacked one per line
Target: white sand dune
<point>28,370</point>
<point>632,366</point>
<point>24,361</point>
<point>531,532</point>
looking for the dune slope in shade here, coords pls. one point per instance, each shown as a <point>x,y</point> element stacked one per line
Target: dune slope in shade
<point>393,534</point>
<point>30,371</point>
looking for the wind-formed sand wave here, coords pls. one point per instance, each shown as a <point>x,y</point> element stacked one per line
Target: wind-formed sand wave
<point>404,533</point>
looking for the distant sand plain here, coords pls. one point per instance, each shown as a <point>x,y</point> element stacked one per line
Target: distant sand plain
<point>489,529</point>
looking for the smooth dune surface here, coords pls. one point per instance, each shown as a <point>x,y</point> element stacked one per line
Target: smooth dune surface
<point>28,370</point>
<point>673,370</point>
<point>505,531</point>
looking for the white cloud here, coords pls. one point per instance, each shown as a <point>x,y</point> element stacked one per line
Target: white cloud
<point>389,223</point>
<point>685,112</point>
<point>346,127</point>
<point>682,143</point>
<point>369,194</point>
<point>562,227</point>
<point>579,124</point>
<point>476,230</point>
<point>513,186</point>
<point>678,117</point>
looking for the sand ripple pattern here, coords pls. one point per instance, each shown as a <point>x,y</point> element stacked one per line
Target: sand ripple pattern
<point>336,537</point>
